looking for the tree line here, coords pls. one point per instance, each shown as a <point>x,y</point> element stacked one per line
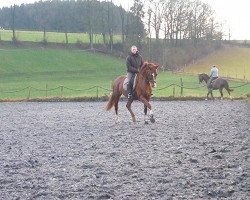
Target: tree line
<point>164,30</point>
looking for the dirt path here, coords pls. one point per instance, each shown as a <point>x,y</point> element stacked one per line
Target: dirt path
<point>195,150</point>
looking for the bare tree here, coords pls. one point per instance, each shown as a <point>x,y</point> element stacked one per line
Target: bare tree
<point>135,29</point>
<point>110,25</point>
<point>157,16</point>
<point>122,14</point>
<point>90,23</point>
<point>13,8</point>
<point>200,20</point>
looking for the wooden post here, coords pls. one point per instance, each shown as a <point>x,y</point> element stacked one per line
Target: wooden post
<point>97,91</point>
<point>181,87</point>
<point>61,91</point>
<point>46,90</point>
<point>174,91</point>
<point>29,92</point>
<point>244,72</point>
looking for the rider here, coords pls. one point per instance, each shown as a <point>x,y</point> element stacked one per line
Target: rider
<point>214,73</point>
<point>134,62</point>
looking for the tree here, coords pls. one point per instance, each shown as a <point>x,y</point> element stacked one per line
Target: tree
<point>13,8</point>
<point>122,14</point>
<point>157,12</point>
<point>135,26</point>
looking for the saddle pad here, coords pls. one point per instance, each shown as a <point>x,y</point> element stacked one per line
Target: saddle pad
<point>125,83</point>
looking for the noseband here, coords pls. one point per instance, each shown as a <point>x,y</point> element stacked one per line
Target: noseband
<point>150,78</point>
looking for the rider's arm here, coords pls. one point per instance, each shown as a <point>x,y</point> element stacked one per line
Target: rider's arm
<point>130,66</point>
<point>211,72</point>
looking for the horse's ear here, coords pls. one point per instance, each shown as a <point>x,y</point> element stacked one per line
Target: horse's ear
<point>155,65</point>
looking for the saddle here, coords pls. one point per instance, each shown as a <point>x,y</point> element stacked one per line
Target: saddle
<point>214,79</point>
<point>125,83</point>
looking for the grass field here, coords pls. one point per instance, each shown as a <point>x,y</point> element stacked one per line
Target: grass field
<point>75,73</point>
<point>233,62</point>
<point>50,68</point>
<point>57,37</point>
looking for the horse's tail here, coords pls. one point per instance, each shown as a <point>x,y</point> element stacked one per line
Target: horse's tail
<point>227,87</point>
<point>111,101</point>
<point>116,92</point>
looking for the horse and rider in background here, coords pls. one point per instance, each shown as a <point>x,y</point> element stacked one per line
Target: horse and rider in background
<point>214,82</point>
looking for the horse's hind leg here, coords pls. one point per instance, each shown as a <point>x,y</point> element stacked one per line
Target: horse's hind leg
<point>145,114</point>
<point>228,90</point>
<point>212,95</point>
<point>116,111</point>
<point>129,109</point>
<point>209,92</point>
<point>147,105</point>
<point>221,93</point>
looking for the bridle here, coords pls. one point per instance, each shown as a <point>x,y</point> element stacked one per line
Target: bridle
<point>151,77</point>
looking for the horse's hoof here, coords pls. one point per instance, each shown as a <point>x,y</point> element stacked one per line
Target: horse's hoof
<point>205,99</point>
<point>146,122</point>
<point>152,120</point>
<point>133,119</point>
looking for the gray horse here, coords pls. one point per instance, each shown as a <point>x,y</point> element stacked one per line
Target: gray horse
<point>216,84</point>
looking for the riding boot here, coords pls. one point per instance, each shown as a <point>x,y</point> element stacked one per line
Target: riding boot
<point>130,86</point>
<point>130,90</point>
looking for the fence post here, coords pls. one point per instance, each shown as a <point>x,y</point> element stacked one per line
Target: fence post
<point>181,87</point>
<point>61,91</point>
<point>97,92</point>
<point>29,93</point>
<point>174,91</point>
<point>244,72</point>
<point>46,90</point>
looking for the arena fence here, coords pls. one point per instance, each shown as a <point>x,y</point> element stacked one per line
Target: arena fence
<point>94,91</point>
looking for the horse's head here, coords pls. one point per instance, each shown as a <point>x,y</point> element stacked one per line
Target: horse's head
<point>203,77</point>
<point>149,71</point>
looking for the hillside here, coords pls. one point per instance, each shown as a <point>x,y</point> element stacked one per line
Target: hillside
<point>38,72</point>
<point>47,68</point>
<point>233,62</point>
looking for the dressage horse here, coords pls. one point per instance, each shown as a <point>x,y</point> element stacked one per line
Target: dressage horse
<point>218,83</point>
<point>145,81</point>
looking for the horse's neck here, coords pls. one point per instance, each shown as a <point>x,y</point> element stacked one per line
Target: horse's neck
<point>141,80</point>
<point>206,78</point>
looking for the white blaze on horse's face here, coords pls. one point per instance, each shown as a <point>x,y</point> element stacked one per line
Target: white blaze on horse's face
<point>155,77</point>
<point>154,81</point>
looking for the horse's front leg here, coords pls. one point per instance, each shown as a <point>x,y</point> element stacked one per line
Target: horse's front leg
<point>147,105</point>
<point>130,110</point>
<point>145,114</point>
<point>210,91</point>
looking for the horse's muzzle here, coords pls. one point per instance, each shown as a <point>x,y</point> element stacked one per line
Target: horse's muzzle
<point>153,84</point>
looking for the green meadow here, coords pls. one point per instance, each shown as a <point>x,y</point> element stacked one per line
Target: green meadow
<point>47,69</point>
<point>47,72</point>
<point>233,62</point>
<point>55,37</point>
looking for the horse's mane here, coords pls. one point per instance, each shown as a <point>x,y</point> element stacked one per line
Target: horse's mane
<point>144,65</point>
<point>203,74</point>
<point>203,77</point>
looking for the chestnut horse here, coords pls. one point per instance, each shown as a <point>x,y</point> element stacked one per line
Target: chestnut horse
<point>218,83</point>
<point>145,80</point>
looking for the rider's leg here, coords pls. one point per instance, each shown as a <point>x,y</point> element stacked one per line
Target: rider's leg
<point>129,85</point>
